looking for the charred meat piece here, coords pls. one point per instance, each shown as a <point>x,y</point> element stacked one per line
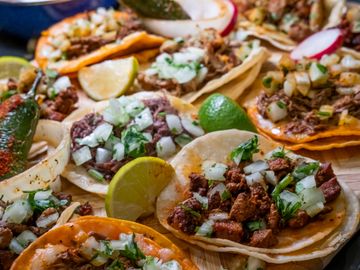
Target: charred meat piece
<point>281,166</point>
<point>300,219</point>
<point>235,181</point>
<point>84,209</point>
<point>198,183</point>
<point>325,173</point>
<point>260,199</point>
<point>230,230</point>
<point>216,202</point>
<point>331,189</point>
<point>5,237</point>
<point>273,218</point>
<point>243,208</point>
<point>6,259</point>
<point>263,239</point>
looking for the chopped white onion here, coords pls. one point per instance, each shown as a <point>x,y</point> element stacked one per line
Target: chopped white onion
<point>119,152</point>
<point>111,142</point>
<point>15,246</point>
<point>61,84</point>
<point>276,111</point>
<point>89,140</point>
<point>134,107</point>
<point>271,178</point>
<point>103,132</point>
<point>257,166</point>
<point>89,248</point>
<point>289,197</point>
<point>47,221</point>
<point>219,216</point>
<point>174,123</point>
<point>183,139</point>
<point>165,147</point>
<point>148,136</point>
<point>314,209</point>
<point>255,178</point>
<point>193,129</point>
<point>42,195</point>
<point>144,119</point>
<point>255,264</point>
<point>311,196</point>
<point>26,237</point>
<point>102,155</point>
<point>81,155</point>
<point>350,62</point>
<point>345,90</point>
<point>221,188</point>
<point>18,212</point>
<point>115,113</point>
<point>307,182</point>
<point>214,170</point>
<point>206,228</point>
<point>201,199</point>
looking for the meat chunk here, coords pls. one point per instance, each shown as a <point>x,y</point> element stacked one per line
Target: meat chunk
<point>281,166</point>
<point>198,183</point>
<point>299,31</point>
<point>273,218</point>
<point>263,239</point>
<point>260,199</point>
<point>325,173</point>
<point>216,202</point>
<point>6,259</point>
<point>235,181</point>
<point>331,189</point>
<point>300,220</point>
<point>242,209</point>
<point>84,209</point>
<point>230,230</point>
<point>5,237</point>
<point>186,216</point>
<point>276,8</point>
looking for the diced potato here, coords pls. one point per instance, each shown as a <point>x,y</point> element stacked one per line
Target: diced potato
<point>330,59</point>
<point>346,119</point>
<point>302,82</point>
<point>349,79</point>
<point>286,63</point>
<point>256,15</point>
<point>277,111</point>
<point>290,85</point>
<point>273,81</point>
<point>318,74</point>
<point>350,62</point>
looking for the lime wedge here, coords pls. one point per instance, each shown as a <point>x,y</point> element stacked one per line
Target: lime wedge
<point>108,79</point>
<point>10,66</point>
<point>219,112</point>
<point>133,190</point>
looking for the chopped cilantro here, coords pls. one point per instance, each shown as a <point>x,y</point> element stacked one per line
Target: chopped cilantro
<point>304,170</point>
<point>195,123</point>
<point>6,94</point>
<point>107,250</point>
<point>256,225</point>
<point>279,154</point>
<point>324,114</point>
<point>39,206</point>
<point>287,180</point>
<point>245,151</point>
<point>225,195</point>
<point>50,73</point>
<point>116,265</point>
<point>281,104</point>
<point>267,82</point>
<point>189,210</point>
<point>162,114</point>
<point>322,68</point>
<point>286,208</point>
<point>132,251</point>
<point>134,142</point>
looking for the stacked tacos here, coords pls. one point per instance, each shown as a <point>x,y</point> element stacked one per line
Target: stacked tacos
<point>285,23</point>
<point>312,104</point>
<point>102,243</point>
<point>91,37</point>
<point>238,192</point>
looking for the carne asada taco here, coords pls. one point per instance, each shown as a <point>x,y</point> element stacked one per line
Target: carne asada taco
<point>91,37</point>
<point>25,219</point>
<point>310,100</point>
<point>235,191</point>
<point>110,134</point>
<point>284,23</point>
<point>196,65</point>
<point>103,243</point>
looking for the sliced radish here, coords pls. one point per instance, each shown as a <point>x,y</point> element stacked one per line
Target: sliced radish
<point>319,44</point>
<point>218,14</point>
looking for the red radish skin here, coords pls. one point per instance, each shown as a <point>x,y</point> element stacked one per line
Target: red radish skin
<point>233,20</point>
<point>319,44</point>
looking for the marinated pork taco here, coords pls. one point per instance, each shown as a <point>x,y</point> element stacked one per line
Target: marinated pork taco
<point>25,219</point>
<point>91,37</point>
<point>235,191</point>
<point>196,65</point>
<point>284,23</point>
<point>107,136</point>
<point>301,103</point>
<point>103,243</point>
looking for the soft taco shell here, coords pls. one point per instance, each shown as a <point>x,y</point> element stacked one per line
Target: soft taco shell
<point>257,57</point>
<point>333,11</point>
<point>132,43</point>
<point>77,174</point>
<point>111,228</point>
<point>341,223</point>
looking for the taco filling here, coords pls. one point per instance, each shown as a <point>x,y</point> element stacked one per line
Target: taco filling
<point>187,65</point>
<point>129,128</point>
<point>89,33</point>
<point>24,220</point>
<point>251,201</point>
<point>312,96</point>
<point>350,24</point>
<point>297,19</point>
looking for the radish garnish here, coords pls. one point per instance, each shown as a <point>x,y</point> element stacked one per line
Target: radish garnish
<point>234,10</point>
<point>319,44</point>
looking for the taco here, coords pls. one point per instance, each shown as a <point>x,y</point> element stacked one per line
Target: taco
<point>103,243</point>
<point>235,191</point>
<point>285,23</point>
<point>196,65</point>
<point>350,26</point>
<point>308,101</point>
<point>91,37</point>
<point>109,134</point>
<point>28,217</point>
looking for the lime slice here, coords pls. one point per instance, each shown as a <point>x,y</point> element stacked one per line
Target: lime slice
<point>133,190</point>
<point>10,66</point>
<point>219,112</point>
<point>109,79</point>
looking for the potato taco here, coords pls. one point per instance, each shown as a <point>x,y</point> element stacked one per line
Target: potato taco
<point>110,134</point>
<point>28,217</point>
<point>236,191</point>
<point>286,23</point>
<point>301,103</point>
<point>192,66</point>
<point>91,37</point>
<point>103,243</point>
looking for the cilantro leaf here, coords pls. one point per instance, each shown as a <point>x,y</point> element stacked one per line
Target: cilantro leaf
<point>132,251</point>
<point>256,225</point>
<point>305,169</point>
<point>245,151</point>
<point>134,142</point>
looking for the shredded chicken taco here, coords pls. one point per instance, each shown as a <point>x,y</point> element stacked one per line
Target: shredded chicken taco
<point>103,243</point>
<point>91,37</point>
<point>192,66</point>
<point>310,100</point>
<point>110,134</point>
<point>285,23</point>
<point>25,219</point>
<point>235,191</point>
